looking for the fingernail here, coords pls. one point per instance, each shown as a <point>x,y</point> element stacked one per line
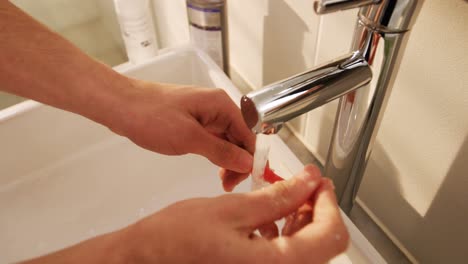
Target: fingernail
<point>314,172</point>
<point>308,178</point>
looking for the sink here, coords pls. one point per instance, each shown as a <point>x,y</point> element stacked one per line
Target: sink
<point>64,179</point>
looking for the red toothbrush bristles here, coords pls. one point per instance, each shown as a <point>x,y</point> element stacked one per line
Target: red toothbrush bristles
<point>269,175</point>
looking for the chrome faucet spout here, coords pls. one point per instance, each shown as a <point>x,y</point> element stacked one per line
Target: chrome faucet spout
<point>379,39</point>
<point>267,109</point>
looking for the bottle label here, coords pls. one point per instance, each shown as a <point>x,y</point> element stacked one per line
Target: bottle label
<point>204,17</point>
<point>206,31</point>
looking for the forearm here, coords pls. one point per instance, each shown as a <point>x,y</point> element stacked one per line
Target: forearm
<point>114,247</point>
<point>39,64</point>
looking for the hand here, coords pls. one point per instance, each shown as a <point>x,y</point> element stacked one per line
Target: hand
<point>220,230</point>
<point>176,120</point>
<point>169,119</point>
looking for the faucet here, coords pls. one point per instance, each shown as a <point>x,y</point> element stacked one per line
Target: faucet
<point>362,80</point>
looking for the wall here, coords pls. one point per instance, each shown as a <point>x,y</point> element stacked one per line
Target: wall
<point>415,181</point>
<point>89,24</point>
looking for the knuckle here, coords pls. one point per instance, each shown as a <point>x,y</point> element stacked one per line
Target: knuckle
<point>224,151</point>
<point>340,237</point>
<point>281,189</point>
<point>220,95</point>
<point>343,240</point>
<point>223,98</point>
<point>281,193</point>
<point>227,152</point>
<point>336,235</point>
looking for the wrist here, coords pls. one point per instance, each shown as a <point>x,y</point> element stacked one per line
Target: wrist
<point>130,105</point>
<point>109,101</point>
<point>117,109</point>
<point>135,247</point>
<point>123,247</point>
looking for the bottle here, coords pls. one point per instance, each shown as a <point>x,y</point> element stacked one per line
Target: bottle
<point>136,25</point>
<point>208,29</point>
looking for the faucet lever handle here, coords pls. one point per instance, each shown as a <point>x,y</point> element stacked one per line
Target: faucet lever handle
<point>330,6</point>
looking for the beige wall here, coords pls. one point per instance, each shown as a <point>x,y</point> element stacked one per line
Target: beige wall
<point>417,179</point>
<point>418,171</point>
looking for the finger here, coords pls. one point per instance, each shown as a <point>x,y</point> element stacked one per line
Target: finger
<point>289,221</point>
<point>279,199</point>
<point>228,120</point>
<point>222,152</point>
<point>269,231</point>
<point>326,206</point>
<point>298,220</point>
<point>231,179</point>
<point>238,130</point>
<point>327,233</point>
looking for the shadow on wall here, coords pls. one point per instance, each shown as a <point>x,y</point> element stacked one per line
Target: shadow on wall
<point>442,232</point>
<point>283,40</point>
<point>283,43</point>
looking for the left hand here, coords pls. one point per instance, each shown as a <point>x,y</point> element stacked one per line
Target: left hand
<point>221,230</point>
<point>177,119</point>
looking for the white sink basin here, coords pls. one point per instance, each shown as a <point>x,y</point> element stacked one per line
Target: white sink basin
<point>64,178</point>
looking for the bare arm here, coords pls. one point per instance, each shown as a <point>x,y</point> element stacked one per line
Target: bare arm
<point>39,64</point>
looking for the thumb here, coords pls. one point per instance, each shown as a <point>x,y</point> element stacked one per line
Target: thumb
<point>280,199</point>
<point>223,153</point>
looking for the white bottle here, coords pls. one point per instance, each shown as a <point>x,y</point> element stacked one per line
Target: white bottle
<point>137,28</point>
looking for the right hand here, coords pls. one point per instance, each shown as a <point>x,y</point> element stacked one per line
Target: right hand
<point>220,230</point>
<point>177,119</point>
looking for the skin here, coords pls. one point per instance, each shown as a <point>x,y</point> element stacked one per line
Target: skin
<point>170,119</point>
<point>173,120</point>
<point>220,230</point>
